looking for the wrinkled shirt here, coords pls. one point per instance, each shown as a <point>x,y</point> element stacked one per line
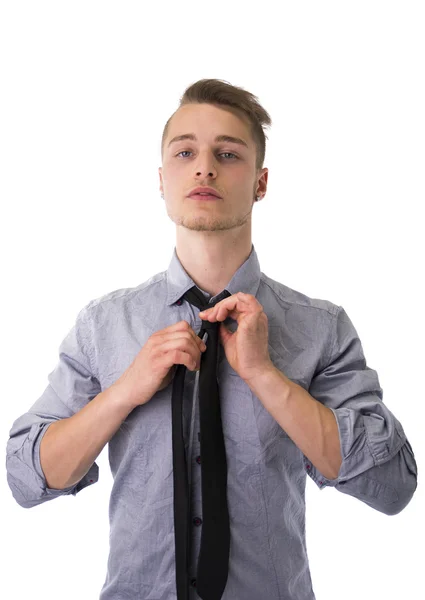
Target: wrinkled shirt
<point>313,342</point>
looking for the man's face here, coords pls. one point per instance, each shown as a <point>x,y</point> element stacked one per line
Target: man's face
<point>227,167</point>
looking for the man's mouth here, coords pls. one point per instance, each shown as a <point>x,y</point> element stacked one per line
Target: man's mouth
<point>203,197</point>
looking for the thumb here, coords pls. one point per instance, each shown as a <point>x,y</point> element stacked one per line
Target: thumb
<point>225,334</point>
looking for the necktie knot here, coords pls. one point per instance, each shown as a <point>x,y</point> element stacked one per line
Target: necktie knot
<point>208,326</point>
<point>196,297</point>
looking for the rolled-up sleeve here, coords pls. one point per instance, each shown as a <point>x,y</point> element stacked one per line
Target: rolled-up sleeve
<point>378,464</point>
<point>72,384</point>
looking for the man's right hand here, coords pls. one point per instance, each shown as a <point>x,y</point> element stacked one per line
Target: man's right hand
<point>155,365</point>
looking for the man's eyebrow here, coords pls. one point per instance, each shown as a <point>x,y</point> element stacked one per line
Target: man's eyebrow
<point>219,138</point>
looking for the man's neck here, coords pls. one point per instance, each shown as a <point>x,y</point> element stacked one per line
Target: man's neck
<point>212,268</point>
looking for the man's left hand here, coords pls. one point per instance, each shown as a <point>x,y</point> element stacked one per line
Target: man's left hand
<point>247,348</point>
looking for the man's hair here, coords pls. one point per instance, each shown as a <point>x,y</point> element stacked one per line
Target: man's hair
<point>240,102</point>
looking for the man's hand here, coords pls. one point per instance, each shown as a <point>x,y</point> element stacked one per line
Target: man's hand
<point>247,348</point>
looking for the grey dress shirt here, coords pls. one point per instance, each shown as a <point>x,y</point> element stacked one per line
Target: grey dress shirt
<point>313,342</point>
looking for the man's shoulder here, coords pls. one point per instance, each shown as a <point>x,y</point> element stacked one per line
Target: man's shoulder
<point>291,298</point>
<point>118,299</point>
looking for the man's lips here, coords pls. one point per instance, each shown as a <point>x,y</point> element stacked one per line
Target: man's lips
<point>204,189</point>
<point>203,197</point>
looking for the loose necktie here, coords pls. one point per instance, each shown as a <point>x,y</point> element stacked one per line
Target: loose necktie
<point>213,560</point>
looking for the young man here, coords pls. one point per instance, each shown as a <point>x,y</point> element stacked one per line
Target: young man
<point>296,396</point>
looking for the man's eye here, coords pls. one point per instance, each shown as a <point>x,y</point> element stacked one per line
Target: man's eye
<point>181,152</point>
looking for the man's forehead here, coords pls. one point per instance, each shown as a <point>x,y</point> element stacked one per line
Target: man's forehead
<point>229,125</point>
<point>223,137</point>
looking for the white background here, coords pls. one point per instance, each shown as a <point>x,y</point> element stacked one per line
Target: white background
<point>86,89</point>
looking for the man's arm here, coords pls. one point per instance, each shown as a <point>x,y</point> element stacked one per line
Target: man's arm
<point>310,425</point>
<point>70,446</point>
<point>72,386</point>
<point>372,459</point>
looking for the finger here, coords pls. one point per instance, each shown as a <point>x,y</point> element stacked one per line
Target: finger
<point>183,326</point>
<point>233,306</point>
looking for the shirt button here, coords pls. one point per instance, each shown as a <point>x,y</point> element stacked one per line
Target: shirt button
<point>197,521</point>
<point>193,582</point>
<point>198,460</point>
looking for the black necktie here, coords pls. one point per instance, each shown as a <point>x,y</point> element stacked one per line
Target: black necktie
<point>213,560</point>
